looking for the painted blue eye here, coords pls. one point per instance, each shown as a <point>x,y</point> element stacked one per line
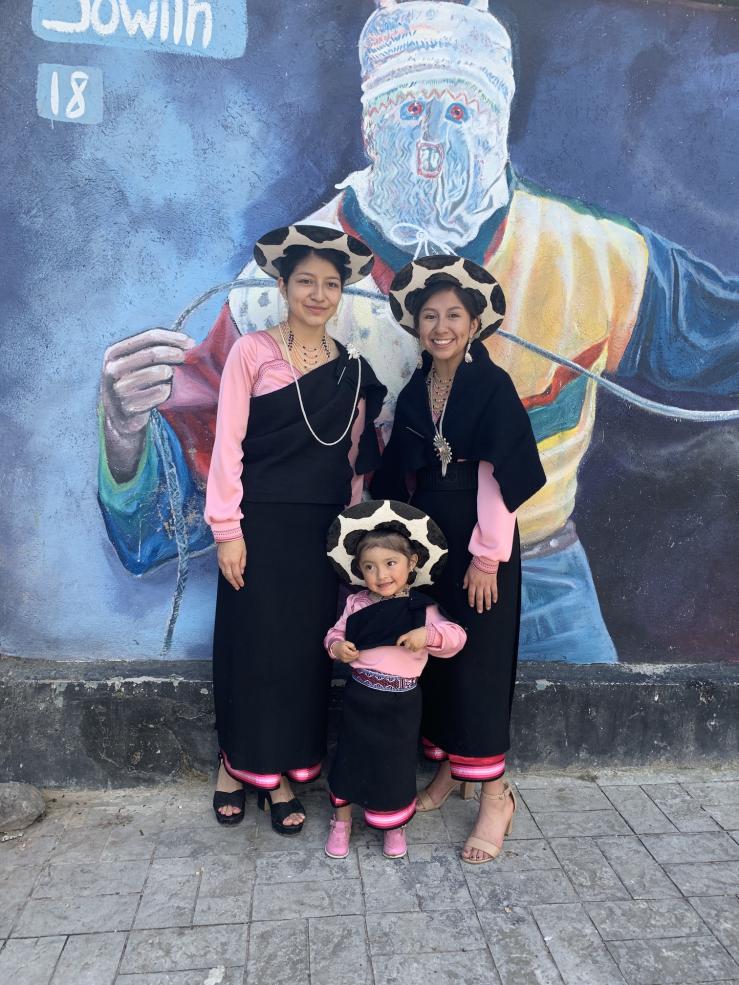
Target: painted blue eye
<point>457,113</point>
<point>412,110</point>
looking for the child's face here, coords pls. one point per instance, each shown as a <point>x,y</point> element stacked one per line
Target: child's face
<point>385,571</point>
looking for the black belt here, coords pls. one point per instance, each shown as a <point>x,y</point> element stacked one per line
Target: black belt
<point>459,475</point>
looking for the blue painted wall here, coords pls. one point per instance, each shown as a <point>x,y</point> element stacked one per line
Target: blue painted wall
<point>113,227</point>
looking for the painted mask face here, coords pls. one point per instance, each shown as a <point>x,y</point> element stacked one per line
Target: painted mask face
<point>436,151</point>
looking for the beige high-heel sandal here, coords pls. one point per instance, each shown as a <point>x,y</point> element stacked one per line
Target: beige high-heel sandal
<point>424,801</point>
<point>487,846</point>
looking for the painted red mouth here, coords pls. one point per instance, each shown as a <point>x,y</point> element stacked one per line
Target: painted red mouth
<point>429,159</point>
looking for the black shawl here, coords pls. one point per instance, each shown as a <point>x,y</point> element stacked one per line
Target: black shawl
<point>283,462</point>
<point>485,421</point>
<point>382,623</point>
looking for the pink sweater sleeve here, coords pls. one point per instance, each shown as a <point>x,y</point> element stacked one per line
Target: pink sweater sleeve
<point>224,491</point>
<point>443,638</point>
<point>337,633</point>
<point>492,538</point>
<point>357,429</point>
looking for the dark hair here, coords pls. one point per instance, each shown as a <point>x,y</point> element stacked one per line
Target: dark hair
<point>444,285</point>
<point>389,539</point>
<point>294,254</point>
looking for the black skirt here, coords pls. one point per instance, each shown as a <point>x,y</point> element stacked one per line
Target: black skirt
<point>467,701</point>
<point>377,751</point>
<point>271,673</point>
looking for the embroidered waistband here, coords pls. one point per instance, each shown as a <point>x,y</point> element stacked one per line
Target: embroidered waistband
<point>383,682</point>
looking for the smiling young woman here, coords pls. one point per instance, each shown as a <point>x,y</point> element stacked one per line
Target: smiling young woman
<point>294,436</point>
<point>462,432</point>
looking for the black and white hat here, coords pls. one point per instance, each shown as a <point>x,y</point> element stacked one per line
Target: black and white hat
<point>412,280</point>
<point>391,516</point>
<point>271,248</point>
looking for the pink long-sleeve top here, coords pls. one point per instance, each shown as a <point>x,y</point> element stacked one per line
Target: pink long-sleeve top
<point>254,367</point>
<point>443,639</point>
<point>492,537</point>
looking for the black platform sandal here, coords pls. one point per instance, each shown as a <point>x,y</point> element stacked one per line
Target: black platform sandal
<point>279,812</point>
<point>234,798</point>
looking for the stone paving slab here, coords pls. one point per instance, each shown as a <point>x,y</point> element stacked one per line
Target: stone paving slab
<point>89,959</point>
<point>520,953</point>
<point>685,812</point>
<point>637,870</point>
<point>278,952</point>
<point>624,878</point>
<point>664,962</point>
<point>721,913</point>
<point>588,870</point>
<point>645,919</point>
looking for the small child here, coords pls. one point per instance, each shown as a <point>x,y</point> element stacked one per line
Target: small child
<point>385,634</point>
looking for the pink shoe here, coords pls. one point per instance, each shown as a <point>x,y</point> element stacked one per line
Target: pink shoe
<point>394,845</point>
<point>337,844</point>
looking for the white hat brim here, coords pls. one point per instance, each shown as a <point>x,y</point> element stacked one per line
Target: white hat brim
<point>349,527</point>
<point>412,280</point>
<point>272,247</point>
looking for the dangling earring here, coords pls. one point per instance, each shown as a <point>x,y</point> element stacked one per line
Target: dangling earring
<point>419,361</point>
<point>281,307</point>
<point>467,356</point>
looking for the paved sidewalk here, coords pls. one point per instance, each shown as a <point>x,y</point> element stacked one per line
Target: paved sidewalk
<point>621,878</point>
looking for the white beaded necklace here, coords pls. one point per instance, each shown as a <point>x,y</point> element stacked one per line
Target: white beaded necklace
<point>352,353</point>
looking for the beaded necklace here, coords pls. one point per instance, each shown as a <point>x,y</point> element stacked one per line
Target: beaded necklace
<point>352,355</point>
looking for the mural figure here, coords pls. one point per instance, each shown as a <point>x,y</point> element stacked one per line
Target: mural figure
<point>611,296</point>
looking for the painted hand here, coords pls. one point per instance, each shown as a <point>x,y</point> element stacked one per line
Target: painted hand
<point>136,378</point>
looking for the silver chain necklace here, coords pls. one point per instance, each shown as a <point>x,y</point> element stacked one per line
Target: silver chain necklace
<point>441,444</point>
<point>352,355</point>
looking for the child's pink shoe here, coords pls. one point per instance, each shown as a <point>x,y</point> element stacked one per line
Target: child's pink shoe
<point>337,844</point>
<point>394,845</point>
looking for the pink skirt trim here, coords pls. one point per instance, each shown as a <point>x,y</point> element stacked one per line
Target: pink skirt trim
<point>305,774</point>
<point>385,820</point>
<point>478,774</point>
<point>270,781</point>
<point>432,752</point>
<point>477,768</point>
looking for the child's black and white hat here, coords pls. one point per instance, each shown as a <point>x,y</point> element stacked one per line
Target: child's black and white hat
<point>273,246</point>
<point>411,281</point>
<point>386,516</point>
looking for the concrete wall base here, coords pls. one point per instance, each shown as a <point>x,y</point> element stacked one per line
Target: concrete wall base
<point>87,724</point>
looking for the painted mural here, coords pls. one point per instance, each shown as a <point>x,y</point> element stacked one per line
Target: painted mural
<point>422,126</point>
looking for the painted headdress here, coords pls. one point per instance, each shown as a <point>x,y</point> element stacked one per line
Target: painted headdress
<point>411,40</point>
<point>386,516</point>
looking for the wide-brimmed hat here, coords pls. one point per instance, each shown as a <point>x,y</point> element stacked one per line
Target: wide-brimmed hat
<point>391,516</point>
<point>483,289</point>
<point>271,248</point>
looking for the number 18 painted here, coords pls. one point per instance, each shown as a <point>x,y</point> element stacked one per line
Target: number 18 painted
<point>70,94</point>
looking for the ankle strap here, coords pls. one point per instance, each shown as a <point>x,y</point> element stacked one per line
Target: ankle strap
<point>507,791</point>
